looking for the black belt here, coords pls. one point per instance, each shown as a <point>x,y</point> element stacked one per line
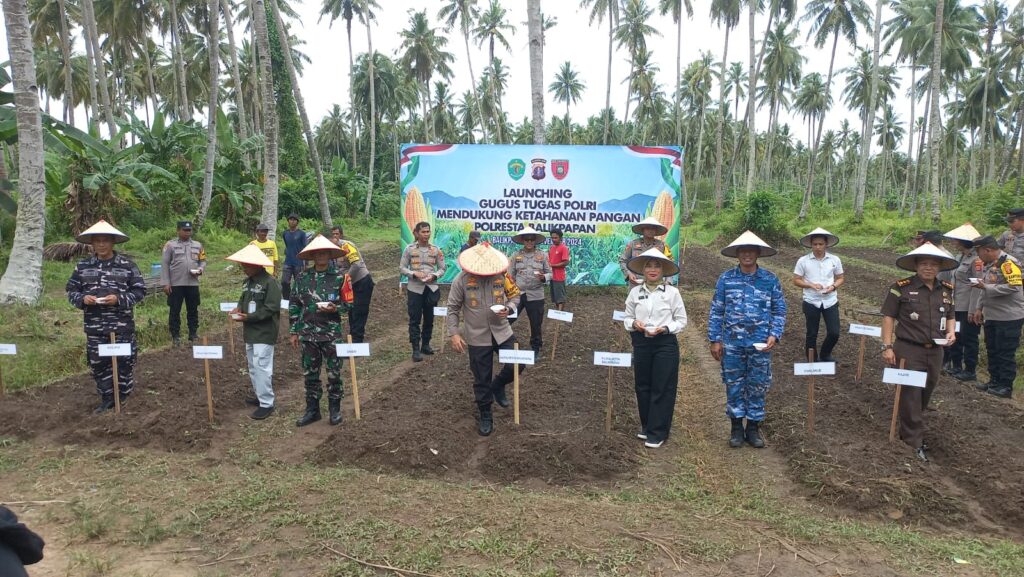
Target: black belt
<point>917,344</point>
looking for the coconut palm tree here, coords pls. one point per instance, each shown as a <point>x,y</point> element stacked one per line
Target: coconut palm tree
<point>22,282</point>
<point>464,12</point>
<point>567,88</point>
<point>871,105</point>
<point>270,132</point>
<point>993,15</point>
<point>212,111</point>
<point>725,13</point>
<point>696,84</point>
<point>782,69</point>
<point>936,140</point>
<point>812,100</point>
<point>345,9</point>
<point>631,34</point>
<point>423,54</point>
<point>365,11</point>
<point>599,10</point>
<point>675,8</point>
<point>236,77</point>
<point>536,69</point>
<point>491,28</point>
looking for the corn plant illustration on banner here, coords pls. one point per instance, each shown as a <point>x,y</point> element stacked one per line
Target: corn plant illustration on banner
<point>595,194</point>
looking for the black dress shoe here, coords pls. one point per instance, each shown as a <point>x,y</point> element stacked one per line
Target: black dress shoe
<point>261,413</point>
<point>982,386</point>
<point>252,401</point>
<point>966,376</point>
<point>1005,391</point>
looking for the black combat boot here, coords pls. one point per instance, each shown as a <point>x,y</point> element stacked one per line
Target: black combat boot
<point>176,341</point>
<point>106,404</point>
<point>753,435</point>
<point>500,397</point>
<point>486,422</point>
<point>1004,391</point>
<point>334,408</point>
<point>193,338</point>
<point>982,386</point>
<point>966,376</point>
<point>736,435</point>
<point>425,349</point>
<point>312,413</point>
<point>417,356</point>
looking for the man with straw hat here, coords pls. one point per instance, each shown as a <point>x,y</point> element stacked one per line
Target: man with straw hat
<point>423,263</point>
<point>748,316</point>
<point>820,274</point>
<point>648,229</point>
<point>483,295</point>
<point>259,311</point>
<point>1001,307</point>
<point>530,269</point>
<point>314,310</point>
<point>918,321</point>
<point>961,358</point>
<point>106,287</point>
<point>1012,240</point>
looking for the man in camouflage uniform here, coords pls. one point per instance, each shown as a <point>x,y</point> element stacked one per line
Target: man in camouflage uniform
<point>106,286</point>
<point>649,228</point>
<point>1012,240</point>
<point>530,269</point>
<point>423,263</point>
<point>1001,308</point>
<point>314,310</point>
<point>748,307</point>
<point>182,263</point>
<point>351,263</point>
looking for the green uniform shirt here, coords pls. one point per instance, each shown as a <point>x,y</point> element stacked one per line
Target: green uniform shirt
<point>261,302</point>
<point>310,323</point>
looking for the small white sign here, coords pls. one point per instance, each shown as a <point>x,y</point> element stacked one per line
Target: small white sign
<point>957,329</point>
<point>440,311</point>
<point>618,316</point>
<point>205,352</point>
<point>227,307</point>
<point>353,349</point>
<point>284,304</point>
<point>813,369</point>
<point>116,350</point>
<point>904,377</point>
<point>513,315</point>
<point>866,330</point>
<point>564,316</point>
<point>612,359</point>
<point>8,349</point>
<point>515,357</point>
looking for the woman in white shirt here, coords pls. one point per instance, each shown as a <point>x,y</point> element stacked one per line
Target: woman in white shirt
<point>654,315</point>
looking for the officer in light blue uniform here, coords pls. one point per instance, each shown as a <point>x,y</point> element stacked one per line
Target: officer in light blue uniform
<point>748,309</point>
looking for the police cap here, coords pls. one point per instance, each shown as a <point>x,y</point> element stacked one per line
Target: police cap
<point>987,241</point>
<point>184,225</point>
<point>1013,214</point>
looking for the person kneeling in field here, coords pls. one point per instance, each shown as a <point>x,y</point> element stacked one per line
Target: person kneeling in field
<point>484,294</point>
<point>314,310</point>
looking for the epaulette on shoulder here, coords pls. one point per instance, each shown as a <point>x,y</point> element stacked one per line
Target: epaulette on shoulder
<point>947,284</point>
<point>904,282</point>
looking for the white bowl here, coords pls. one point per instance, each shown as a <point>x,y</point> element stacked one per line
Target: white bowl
<point>237,316</point>
<point>974,280</point>
<point>195,271</point>
<point>496,309</point>
<point>323,304</point>
<point>760,346</point>
<point>651,330</point>
<point>941,342</point>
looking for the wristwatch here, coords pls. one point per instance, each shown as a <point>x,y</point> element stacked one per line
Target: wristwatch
<point>886,347</point>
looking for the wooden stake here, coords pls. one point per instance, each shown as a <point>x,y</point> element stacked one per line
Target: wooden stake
<point>209,385</point>
<point>355,383</point>
<point>896,407</point>
<point>810,395</point>
<point>608,409</point>
<point>3,389</point>
<point>554,345</point>
<point>860,359</point>
<point>117,389</point>
<point>515,388</point>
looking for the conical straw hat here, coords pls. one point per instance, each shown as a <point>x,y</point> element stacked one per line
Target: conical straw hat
<point>909,260</point>
<point>526,231</point>
<point>637,263</point>
<point>251,254</point>
<point>321,243</point>
<point>101,227</point>
<point>483,260</point>
<point>650,221</point>
<point>749,239</point>
<point>830,239</point>
<point>965,232</point>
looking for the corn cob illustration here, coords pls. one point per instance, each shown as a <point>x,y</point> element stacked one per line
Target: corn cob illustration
<point>664,211</point>
<point>415,208</point>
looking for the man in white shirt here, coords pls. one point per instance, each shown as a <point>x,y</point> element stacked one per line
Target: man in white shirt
<point>820,274</point>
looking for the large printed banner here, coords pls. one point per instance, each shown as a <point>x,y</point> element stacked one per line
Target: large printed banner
<point>594,193</point>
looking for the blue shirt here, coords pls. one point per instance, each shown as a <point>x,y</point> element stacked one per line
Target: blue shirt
<point>747,308</point>
<point>294,242</point>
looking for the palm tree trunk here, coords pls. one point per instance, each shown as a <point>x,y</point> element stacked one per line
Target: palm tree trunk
<point>90,64</point>
<point>353,116</point>
<point>150,81</point>
<point>805,205</point>
<point>101,70</point>
<point>698,164</point>
<point>751,82</point>
<point>1007,164</point>
<point>270,168</point>
<point>472,79</point>
<point>373,115</point>
<point>65,50</point>
<point>179,65</point>
<point>936,140</point>
<point>721,125</point>
<point>865,138</point>
<point>536,70</point>
<point>212,110</point>
<point>236,78</point>
<point>608,90</point>
<point>973,180</point>
<point>22,282</point>
<point>675,85</point>
<point>910,136</point>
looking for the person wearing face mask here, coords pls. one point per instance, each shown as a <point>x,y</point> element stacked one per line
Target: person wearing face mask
<point>747,319</point>
<point>648,229</point>
<point>820,274</point>
<point>530,269</point>
<point>655,314</point>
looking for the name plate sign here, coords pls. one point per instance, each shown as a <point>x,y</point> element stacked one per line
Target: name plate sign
<point>284,304</point>
<point>618,316</point>
<point>813,369</point>
<point>8,349</point>
<point>564,316</point>
<point>866,330</point>
<point>612,359</point>
<point>116,350</point>
<point>209,353</point>
<point>227,307</point>
<point>515,357</point>
<point>904,377</point>
<point>440,311</point>
<point>353,349</point>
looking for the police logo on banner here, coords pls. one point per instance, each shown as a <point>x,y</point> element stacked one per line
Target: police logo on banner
<point>539,170</point>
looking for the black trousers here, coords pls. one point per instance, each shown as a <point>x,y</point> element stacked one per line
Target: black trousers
<point>421,309</point>
<point>813,316</point>
<point>362,292</point>
<point>190,296</point>
<point>1001,341</point>
<point>481,363</point>
<point>963,353</point>
<point>656,378</point>
<point>535,312</point>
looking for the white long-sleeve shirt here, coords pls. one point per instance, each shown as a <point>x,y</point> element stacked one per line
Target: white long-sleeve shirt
<point>661,307</point>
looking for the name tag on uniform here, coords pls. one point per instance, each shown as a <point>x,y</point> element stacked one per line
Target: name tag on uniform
<point>440,311</point>
<point>514,357</point>
<point>612,359</point>
<point>813,369</point>
<point>116,350</point>
<point>904,377</point>
<point>252,307</point>
<point>352,349</point>
<point>227,307</point>
<point>8,349</point>
<point>564,316</point>
<point>205,352</point>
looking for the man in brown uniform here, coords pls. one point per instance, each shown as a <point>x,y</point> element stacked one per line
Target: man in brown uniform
<point>918,310</point>
<point>424,264</point>
<point>483,295</point>
<point>648,229</point>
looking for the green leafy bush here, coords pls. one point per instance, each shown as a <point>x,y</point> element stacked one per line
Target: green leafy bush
<point>762,214</point>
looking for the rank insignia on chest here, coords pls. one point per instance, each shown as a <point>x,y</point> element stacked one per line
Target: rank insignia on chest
<point>474,303</point>
<point>914,316</point>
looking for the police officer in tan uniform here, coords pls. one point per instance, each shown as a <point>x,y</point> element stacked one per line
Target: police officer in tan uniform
<point>423,263</point>
<point>530,269</point>
<point>648,229</point>
<point>1001,307</point>
<point>182,263</point>
<point>1012,240</point>
<point>917,311</point>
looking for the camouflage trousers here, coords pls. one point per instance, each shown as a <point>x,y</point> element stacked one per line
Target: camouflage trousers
<point>747,375</point>
<point>314,355</point>
<point>103,369</point>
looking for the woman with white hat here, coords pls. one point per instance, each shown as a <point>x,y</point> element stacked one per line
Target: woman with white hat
<point>106,286</point>
<point>820,274</point>
<point>962,355</point>
<point>654,315</point>
<point>918,321</point>
<point>648,229</point>
<point>530,269</point>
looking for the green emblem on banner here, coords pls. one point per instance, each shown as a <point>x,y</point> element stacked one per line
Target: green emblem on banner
<point>516,168</point>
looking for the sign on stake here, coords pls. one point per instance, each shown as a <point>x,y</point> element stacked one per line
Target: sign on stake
<point>558,315</point>
<point>206,355</point>
<point>864,331</point>
<point>227,308</point>
<point>355,382</point>
<point>10,349</point>
<point>516,357</point>
<point>441,312</point>
<point>611,360</point>
<point>886,376</point>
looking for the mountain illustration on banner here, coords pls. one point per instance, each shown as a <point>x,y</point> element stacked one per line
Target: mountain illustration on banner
<point>440,199</point>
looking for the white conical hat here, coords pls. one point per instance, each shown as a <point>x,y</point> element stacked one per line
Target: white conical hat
<point>526,231</point>
<point>101,227</point>
<point>909,260</point>
<point>749,239</point>
<point>965,232</point>
<point>830,239</point>
<point>650,221</point>
<point>483,260</point>
<point>321,243</point>
<point>251,254</point>
<point>637,263</point>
